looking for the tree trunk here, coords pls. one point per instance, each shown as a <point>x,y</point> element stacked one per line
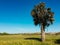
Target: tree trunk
<point>42,33</point>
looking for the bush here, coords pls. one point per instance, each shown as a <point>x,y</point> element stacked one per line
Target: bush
<point>4,33</point>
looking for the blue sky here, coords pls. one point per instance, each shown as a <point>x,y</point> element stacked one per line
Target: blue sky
<point>15,16</point>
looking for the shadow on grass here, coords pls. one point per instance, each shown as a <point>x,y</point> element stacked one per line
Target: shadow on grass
<point>57,41</point>
<point>38,39</point>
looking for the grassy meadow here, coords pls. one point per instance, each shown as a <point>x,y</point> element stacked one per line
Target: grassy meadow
<point>27,39</point>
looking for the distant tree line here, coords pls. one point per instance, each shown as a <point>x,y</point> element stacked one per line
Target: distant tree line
<point>5,33</point>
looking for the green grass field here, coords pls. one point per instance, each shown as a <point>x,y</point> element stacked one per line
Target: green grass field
<point>29,40</point>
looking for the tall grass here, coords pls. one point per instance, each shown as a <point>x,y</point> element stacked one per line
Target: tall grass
<point>28,40</point>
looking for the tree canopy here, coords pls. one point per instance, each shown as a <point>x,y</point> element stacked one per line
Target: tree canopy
<point>42,15</point>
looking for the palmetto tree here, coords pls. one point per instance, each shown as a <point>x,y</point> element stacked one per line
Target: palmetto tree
<point>42,16</point>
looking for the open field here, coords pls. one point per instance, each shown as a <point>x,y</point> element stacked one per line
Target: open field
<point>29,40</point>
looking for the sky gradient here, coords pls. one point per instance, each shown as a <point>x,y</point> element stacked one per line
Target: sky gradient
<point>15,16</point>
